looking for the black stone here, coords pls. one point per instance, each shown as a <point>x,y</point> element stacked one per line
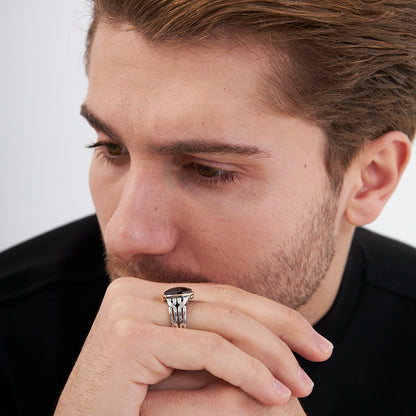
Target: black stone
<point>178,291</point>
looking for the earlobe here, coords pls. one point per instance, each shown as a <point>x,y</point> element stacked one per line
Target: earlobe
<point>378,170</point>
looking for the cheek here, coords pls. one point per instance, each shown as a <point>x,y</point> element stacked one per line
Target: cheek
<point>235,237</point>
<point>241,233</point>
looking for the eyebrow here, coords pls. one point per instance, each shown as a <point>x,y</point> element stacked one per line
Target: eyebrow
<point>97,124</point>
<point>189,147</point>
<point>199,146</point>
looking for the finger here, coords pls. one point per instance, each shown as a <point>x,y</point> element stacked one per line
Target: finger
<point>239,329</point>
<point>288,324</point>
<point>217,399</point>
<point>255,339</point>
<point>187,349</point>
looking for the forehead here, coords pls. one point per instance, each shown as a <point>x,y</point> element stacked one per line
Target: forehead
<point>121,58</point>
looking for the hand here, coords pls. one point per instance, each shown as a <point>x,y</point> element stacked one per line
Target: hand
<point>242,338</point>
<point>216,399</point>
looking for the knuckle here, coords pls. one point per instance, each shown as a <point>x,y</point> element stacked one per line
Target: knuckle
<point>212,341</point>
<point>296,319</point>
<point>118,307</point>
<point>294,315</point>
<point>129,334</point>
<point>222,311</point>
<point>227,292</point>
<point>125,330</point>
<point>232,317</point>
<point>255,368</point>
<point>127,305</point>
<point>115,288</point>
<point>150,370</point>
<point>121,285</point>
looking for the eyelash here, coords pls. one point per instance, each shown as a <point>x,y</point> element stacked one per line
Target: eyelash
<point>105,150</point>
<point>220,176</point>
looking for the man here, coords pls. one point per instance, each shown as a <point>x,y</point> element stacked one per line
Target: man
<point>239,145</point>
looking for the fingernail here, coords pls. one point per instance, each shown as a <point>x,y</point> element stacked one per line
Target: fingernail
<point>306,379</point>
<point>281,389</point>
<point>323,344</point>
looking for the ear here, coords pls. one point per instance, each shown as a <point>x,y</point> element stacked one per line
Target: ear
<point>375,175</point>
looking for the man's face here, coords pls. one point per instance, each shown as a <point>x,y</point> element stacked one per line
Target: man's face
<point>194,180</point>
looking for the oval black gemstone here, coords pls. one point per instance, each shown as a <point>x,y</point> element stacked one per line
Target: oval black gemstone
<point>178,291</point>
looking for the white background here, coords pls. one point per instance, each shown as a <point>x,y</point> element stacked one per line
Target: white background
<point>43,163</point>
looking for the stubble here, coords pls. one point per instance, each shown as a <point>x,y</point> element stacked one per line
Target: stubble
<point>289,274</point>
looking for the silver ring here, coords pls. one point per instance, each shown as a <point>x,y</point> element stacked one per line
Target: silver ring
<point>176,298</point>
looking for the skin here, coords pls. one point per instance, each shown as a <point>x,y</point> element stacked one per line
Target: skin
<point>223,215</point>
<point>194,180</point>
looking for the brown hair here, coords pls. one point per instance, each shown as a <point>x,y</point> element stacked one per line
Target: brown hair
<point>349,66</point>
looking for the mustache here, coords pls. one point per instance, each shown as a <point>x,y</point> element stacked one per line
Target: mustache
<point>152,269</point>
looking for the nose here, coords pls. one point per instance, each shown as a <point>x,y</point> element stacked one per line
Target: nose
<point>142,223</point>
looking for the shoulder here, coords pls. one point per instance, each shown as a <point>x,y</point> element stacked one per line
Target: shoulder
<point>390,264</point>
<point>73,251</point>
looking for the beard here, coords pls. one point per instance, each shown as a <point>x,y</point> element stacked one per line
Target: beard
<point>290,274</point>
<point>293,273</point>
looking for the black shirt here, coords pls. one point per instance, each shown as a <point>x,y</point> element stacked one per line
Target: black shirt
<point>51,288</point>
<point>372,324</point>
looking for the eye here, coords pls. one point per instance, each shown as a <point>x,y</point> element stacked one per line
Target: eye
<point>207,171</point>
<point>209,175</point>
<point>109,150</point>
<point>113,149</point>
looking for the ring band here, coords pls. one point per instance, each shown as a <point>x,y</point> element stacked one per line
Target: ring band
<point>176,298</point>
